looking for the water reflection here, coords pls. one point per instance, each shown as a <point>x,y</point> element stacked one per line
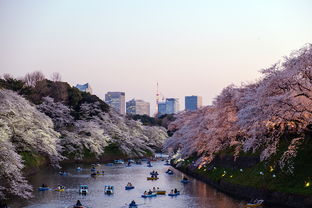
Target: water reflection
<point>196,194</point>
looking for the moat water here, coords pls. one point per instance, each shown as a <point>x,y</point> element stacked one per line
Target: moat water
<point>195,194</point>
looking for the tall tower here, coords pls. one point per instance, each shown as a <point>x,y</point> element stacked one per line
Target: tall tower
<point>157,100</point>
<point>159,103</point>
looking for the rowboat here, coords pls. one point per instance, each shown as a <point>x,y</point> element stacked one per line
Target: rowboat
<point>256,203</point>
<point>174,194</point>
<point>152,178</point>
<point>160,192</point>
<point>149,195</point>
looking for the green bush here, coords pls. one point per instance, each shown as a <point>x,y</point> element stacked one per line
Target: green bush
<point>32,159</point>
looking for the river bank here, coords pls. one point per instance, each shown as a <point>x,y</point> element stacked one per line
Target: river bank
<point>247,192</point>
<point>34,162</point>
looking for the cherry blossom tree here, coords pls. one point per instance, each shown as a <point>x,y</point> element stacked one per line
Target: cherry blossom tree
<point>252,117</point>
<point>22,129</point>
<point>96,129</point>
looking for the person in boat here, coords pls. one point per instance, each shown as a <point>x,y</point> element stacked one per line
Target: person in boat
<point>150,192</point>
<point>185,178</point>
<point>78,203</point>
<point>175,191</point>
<point>171,192</point>
<point>145,193</point>
<point>154,189</point>
<point>132,203</point>
<point>44,185</point>
<point>168,170</point>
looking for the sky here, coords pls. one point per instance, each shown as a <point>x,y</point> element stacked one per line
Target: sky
<point>188,47</point>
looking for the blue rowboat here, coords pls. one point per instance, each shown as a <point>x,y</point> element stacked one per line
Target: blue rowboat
<point>185,181</point>
<point>129,187</point>
<point>174,194</point>
<point>43,188</point>
<point>149,195</point>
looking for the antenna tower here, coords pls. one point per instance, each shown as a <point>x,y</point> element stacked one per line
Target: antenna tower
<point>157,98</point>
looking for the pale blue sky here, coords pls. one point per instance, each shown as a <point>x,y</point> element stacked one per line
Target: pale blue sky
<point>189,47</point>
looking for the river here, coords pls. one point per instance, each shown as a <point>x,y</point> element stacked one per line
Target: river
<point>196,194</point>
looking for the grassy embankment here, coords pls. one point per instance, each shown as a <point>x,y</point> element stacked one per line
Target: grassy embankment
<point>296,183</point>
<point>111,152</point>
<point>32,162</point>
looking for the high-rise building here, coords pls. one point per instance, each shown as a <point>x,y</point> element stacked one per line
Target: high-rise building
<point>193,102</point>
<point>172,105</point>
<point>116,100</point>
<point>138,107</point>
<point>161,108</point>
<point>84,88</point>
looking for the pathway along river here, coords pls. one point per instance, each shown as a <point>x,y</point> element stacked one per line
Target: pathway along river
<point>196,194</point>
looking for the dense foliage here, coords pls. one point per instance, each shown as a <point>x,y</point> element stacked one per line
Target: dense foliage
<point>53,120</point>
<point>22,129</point>
<point>162,120</point>
<point>96,129</point>
<point>258,117</point>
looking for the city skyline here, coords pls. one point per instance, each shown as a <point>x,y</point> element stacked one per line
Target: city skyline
<point>87,88</point>
<point>188,48</point>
